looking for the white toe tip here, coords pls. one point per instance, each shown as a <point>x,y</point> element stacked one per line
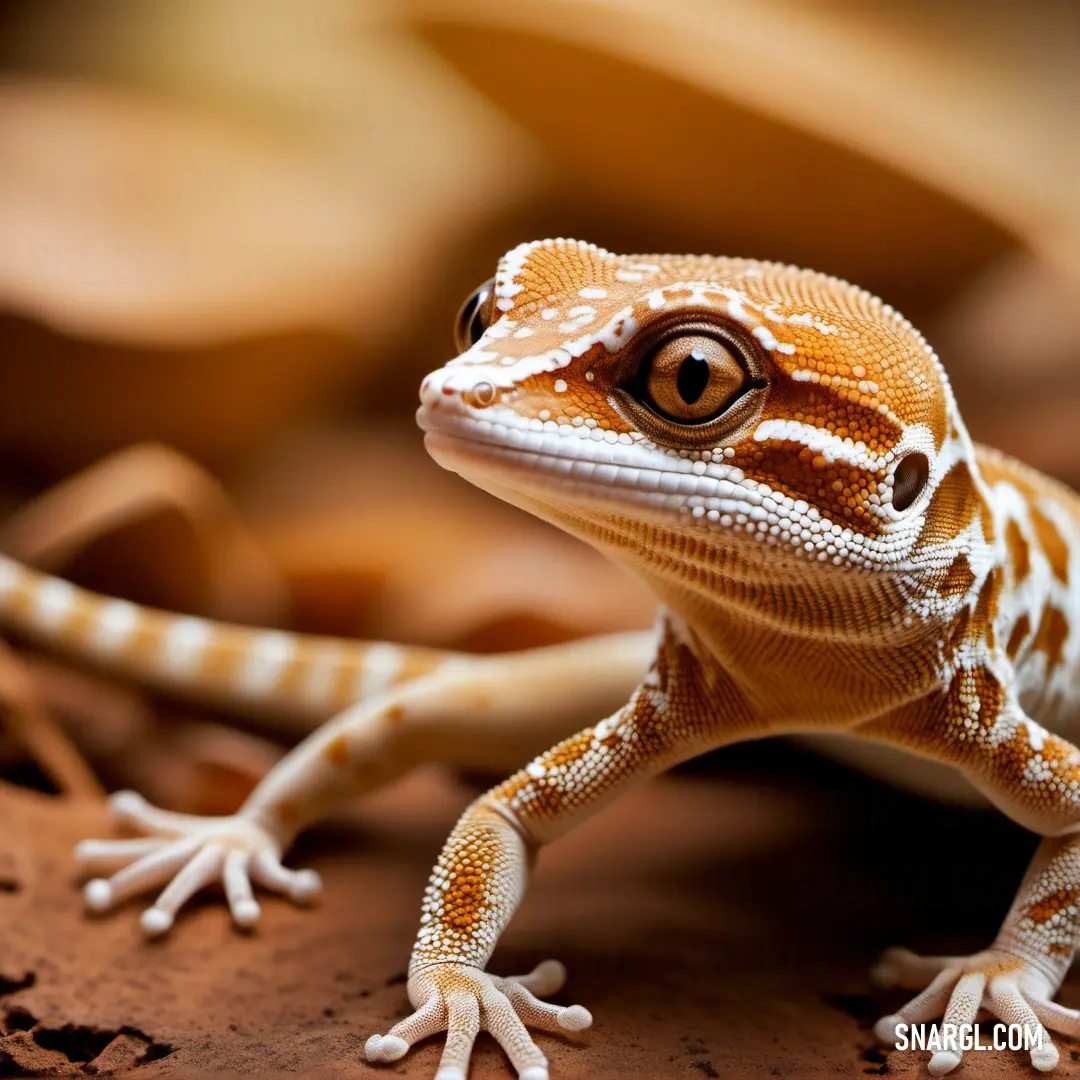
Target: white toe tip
<point>944,1061</point>
<point>885,1029</point>
<point>575,1018</point>
<point>552,971</point>
<point>125,803</point>
<point>1045,1057</point>
<point>534,1072</point>
<point>385,1048</point>
<point>883,974</point>
<point>246,913</point>
<point>886,972</point>
<point>85,849</point>
<point>155,922</point>
<point>393,1048</point>
<point>305,887</point>
<point>97,894</point>
<point>452,1072</point>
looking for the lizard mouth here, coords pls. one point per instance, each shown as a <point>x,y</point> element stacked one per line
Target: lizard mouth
<point>468,456</point>
<point>528,467</point>
<point>474,447</point>
<point>577,482</point>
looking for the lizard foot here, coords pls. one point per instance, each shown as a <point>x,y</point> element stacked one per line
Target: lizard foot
<point>188,853</point>
<point>462,1000</point>
<point>1013,989</point>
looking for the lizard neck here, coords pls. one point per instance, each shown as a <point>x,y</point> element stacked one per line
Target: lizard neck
<point>807,650</point>
<point>805,642</point>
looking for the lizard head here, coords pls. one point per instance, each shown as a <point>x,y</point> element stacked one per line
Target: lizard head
<point>673,403</point>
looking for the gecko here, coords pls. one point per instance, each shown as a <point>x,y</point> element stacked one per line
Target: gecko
<point>779,456</point>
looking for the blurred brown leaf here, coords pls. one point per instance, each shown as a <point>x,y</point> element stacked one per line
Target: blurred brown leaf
<point>217,218</point>
<point>234,579</point>
<point>971,102</point>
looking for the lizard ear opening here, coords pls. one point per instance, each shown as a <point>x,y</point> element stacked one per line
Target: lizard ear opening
<point>474,316</point>
<point>909,478</point>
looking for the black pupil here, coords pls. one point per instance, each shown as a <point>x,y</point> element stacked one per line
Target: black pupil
<point>693,377</point>
<point>476,323</point>
<point>909,479</point>
<point>471,319</point>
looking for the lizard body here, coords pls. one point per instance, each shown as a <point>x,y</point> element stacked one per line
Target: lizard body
<point>779,455</point>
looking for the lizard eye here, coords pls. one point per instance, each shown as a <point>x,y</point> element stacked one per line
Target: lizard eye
<point>691,384</point>
<point>909,478</point>
<point>690,378</point>
<point>474,316</point>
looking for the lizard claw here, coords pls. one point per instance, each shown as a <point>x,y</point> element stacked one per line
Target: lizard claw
<point>185,854</point>
<point>1009,986</point>
<point>462,1001</point>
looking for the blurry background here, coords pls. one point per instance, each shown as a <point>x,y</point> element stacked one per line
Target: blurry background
<point>233,238</point>
<point>234,234</point>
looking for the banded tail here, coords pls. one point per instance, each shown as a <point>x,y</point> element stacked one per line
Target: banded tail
<point>273,673</point>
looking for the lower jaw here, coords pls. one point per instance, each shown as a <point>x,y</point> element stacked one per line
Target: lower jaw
<point>572,504</point>
<point>443,449</point>
<point>653,543</point>
<point>587,510</point>
<point>520,477</point>
<point>487,466</point>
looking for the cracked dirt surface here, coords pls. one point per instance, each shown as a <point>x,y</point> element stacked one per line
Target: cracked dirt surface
<point>718,923</point>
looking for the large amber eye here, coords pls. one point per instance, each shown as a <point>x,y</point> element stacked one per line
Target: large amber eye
<point>691,383</point>
<point>691,378</point>
<point>474,316</point>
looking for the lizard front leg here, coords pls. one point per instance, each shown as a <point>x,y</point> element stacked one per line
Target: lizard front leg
<point>1033,776</point>
<point>480,713</point>
<point>481,874</point>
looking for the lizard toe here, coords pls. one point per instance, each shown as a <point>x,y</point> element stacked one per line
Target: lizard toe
<point>1012,989</point>
<point>462,1001</point>
<point>182,855</point>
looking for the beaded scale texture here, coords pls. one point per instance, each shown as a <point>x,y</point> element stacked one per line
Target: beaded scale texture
<point>779,455</point>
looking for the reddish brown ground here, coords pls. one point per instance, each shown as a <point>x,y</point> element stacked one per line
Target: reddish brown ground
<point>718,923</point>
